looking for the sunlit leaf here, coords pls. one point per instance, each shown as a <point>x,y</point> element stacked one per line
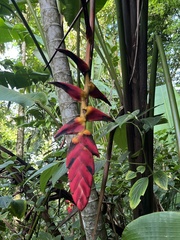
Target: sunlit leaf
<point>141,169</point>
<point>164,106</point>
<point>161,179</point>
<point>130,175</point>
<point>25,100</point>
<point>154,226</point>
<point>138,190</point>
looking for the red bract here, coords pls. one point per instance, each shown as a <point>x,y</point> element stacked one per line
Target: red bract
<point>74,126</point>
<point>93,114</point>
<point>81,169</point>
<point>83,67</point>
<point>95,93</point>
<point>70,206</point>
<point>75,92</point>
<point>86,139</point>
<point>86,18</point>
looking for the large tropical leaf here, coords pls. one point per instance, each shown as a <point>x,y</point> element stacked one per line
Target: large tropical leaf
<point>162,101</point>
<point>70,8</point>
<point>156,226</point>
<point>21,79</point>
<point>5,8</point>
<point>25,100</point>
<point>9,34</point>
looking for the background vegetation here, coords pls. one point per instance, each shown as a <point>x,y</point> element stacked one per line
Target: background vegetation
<point>35,202</point>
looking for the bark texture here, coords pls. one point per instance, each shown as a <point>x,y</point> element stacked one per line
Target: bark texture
<point>20,135</point>
<point>59,65</point>
<point>89,215</point>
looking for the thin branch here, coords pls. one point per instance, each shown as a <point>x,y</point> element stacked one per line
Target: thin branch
<point>106,171</point>
<point>17,158</point>
<point>105,177</point>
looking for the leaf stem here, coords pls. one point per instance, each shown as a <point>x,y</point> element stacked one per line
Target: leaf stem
<point>170,90</point>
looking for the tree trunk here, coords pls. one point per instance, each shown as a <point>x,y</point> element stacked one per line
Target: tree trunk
<point>20,131</point>
<point>60,66</point>
<point>68,108</point>
<point>20,135</point>
<point>132,16</point>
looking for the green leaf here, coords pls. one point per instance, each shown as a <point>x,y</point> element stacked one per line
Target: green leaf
<point>138,190</point>
<point>11,95</point>
<point>150,122</point>
<point>45,236</point>
<point>126,117</point>
<point>55,173</point>
<point>6,164</point>
<point>25,100</point>
<point>38,97</point>
<point>39,57</point>
<point>136,154</point>
<point>164,107</point>
<point>120,137</point>
<point>5,201</point>
<point>70,8</point>
<point>141,169</point>
<point>154,226</point>
<point>9,34</point>
<point>45,176</point>
<point>99,164</point>
<point>38,172</point>
<point>107,129</point>
<point>60,171</point>
<point>161,179</point>
<point>18,208</point>
<point>124,156</point>
<point>21,78</point>
<point>130,175</point>
<point>5,8</point>
<point>118,122</point>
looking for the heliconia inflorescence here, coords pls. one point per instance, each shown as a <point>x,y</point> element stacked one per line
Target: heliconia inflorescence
<point>79,161</point>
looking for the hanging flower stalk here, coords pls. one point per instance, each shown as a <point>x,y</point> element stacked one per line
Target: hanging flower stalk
<point>79,161</point>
